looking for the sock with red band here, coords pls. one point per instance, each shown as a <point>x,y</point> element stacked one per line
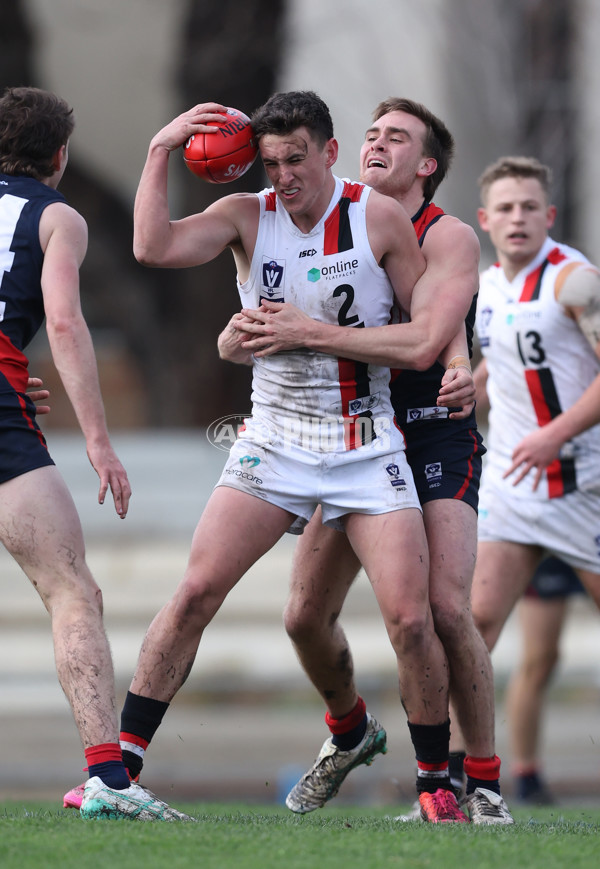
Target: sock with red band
<point>350,729</point>
<point>482,772</point>
<point>140,719</point>
<point>106,762</point>
<point>431,743</point>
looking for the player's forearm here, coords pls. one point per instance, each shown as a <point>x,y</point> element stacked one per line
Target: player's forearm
<point>75,361</point>
<point>456,353</point>
<point>582,415</point>
<point>480,376</point>
<point>400,345</point>
<point>151,223</point>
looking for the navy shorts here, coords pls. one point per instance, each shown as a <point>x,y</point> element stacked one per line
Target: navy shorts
<point>445,458</point>
<point>554,578</point>
<point>22,444</point>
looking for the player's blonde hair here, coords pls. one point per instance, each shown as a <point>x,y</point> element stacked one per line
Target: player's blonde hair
<point>515,167</point>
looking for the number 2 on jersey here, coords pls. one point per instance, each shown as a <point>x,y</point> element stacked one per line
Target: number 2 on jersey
<point>344,318</point>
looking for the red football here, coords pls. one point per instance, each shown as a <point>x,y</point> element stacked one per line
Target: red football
<point>223,156</point>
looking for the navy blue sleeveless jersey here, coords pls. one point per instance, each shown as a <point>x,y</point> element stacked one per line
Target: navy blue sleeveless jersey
<point>420,388</point>
<point>22,201</point>
<point>444,454</point>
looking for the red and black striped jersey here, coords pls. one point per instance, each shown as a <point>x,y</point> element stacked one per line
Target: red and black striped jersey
<point>539,364</point>
<point>332,275</point>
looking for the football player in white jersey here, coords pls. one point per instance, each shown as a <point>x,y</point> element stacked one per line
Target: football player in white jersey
<point>405,155</point>
<point>276,477</point>
<point>539,326</point>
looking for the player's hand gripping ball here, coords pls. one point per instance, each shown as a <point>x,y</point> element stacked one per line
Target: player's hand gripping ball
<point>223,156</point>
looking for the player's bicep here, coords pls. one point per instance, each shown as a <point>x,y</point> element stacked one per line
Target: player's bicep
<point>199,239</point>
<point>63,236</point>
<point>446,290</point>
<point>394,245</point>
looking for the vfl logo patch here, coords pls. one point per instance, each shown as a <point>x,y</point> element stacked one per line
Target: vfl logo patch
<point>484,325</point>
<point>249,461</point>
<point>272,275</point>
<point>413,414</point>
<point>396,480</point>
<point>433,474</point>
<point>272,281</point>
<point>361,405</point>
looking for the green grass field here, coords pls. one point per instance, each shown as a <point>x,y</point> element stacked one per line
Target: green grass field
<point>259,837</point>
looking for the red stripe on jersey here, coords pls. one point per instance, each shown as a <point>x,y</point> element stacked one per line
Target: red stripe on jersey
<point>425,216</point>
<point>531,287</point>
<point>353,376</point>
<point>347,372</point>
<point>13,364</point>
<point>337,235</point>
<point>538,397</point>
<point>271,201</point>
<point>29,421</point>
<point>533,281</point>
<point>556,256</point>
<point>554,474</point>
<point>332,232</point>
<point>561,472</point>
<point>354,383</point>
<point>353,192</point>
<point>467,481</point>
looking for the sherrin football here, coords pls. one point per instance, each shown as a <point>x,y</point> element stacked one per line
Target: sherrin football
<point>223,156</point>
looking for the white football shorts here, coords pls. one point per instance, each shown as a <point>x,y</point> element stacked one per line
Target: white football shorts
<point>568,527</point>
<point>356,481</point>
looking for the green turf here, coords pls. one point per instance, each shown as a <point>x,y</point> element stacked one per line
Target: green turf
<point>259,837</point>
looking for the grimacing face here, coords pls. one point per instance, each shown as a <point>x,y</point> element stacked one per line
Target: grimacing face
<point>298,168</point>
<point>392,156</point>
<point>517,216</point>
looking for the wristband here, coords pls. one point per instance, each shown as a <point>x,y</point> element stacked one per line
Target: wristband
<point>459,362</point>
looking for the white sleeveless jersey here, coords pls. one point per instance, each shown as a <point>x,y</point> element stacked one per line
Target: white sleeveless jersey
<point>314,400</point>
<point>539,364</point>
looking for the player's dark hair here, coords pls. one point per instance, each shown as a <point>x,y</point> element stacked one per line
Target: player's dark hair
<point>285,112</point>
<point>34,125</point>
<point>515,167</point>
<point>437,143</point>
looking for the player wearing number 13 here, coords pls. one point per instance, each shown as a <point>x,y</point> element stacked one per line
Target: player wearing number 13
<point>538,322</point>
